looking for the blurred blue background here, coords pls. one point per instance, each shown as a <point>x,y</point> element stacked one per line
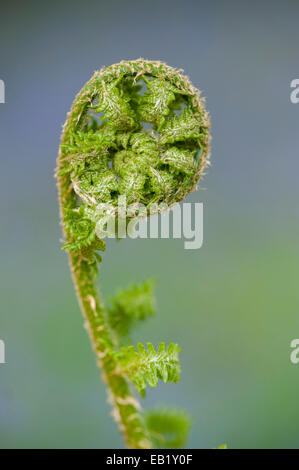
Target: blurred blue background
<point>233,305</point>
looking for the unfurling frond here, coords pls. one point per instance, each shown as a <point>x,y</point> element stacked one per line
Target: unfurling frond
<point>124,144</point>
<point>168,428</point>
<point>149,365</point>
<point>130,306</point>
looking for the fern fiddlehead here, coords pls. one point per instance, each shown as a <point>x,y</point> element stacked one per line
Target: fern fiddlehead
<point>151,147</point>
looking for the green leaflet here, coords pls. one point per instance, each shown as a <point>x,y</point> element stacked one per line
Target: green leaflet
<point>155,104</point>
<point>114,103</point>
<point>180,160</point>
<point>186,126</point>
<point>148,365</point>
<point>84,142</point>
<point>130,306</point>
<point>79,225</point>
<point>168,428</point>
<point>81,231</point>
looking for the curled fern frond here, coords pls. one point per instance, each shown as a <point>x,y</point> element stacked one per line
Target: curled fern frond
<point>107,150</point>
<point>148,365</point>
<point>168,427</point>
<point>151,147</point>
<point>130,306</point>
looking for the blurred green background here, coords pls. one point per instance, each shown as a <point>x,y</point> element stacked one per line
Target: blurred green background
<point>233,304</point>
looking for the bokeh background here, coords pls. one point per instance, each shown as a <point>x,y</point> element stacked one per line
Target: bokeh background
<point>233,305</point>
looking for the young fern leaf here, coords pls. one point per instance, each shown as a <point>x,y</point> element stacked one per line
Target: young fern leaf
<point>107,152</point>
<point>130,306</point>
<point>148,365</point>
<point>168,428</point>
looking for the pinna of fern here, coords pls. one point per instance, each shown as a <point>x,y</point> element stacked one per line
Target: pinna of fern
<point>151,147</point>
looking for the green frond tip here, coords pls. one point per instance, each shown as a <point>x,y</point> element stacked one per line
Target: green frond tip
<point>149,365</point>
<point>130,306</point>
<point>168,428</point>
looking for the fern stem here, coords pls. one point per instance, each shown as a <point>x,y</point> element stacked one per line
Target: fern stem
<point>125,407</point>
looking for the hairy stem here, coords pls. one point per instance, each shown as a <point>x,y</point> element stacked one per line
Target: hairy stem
<point>125,407</point>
